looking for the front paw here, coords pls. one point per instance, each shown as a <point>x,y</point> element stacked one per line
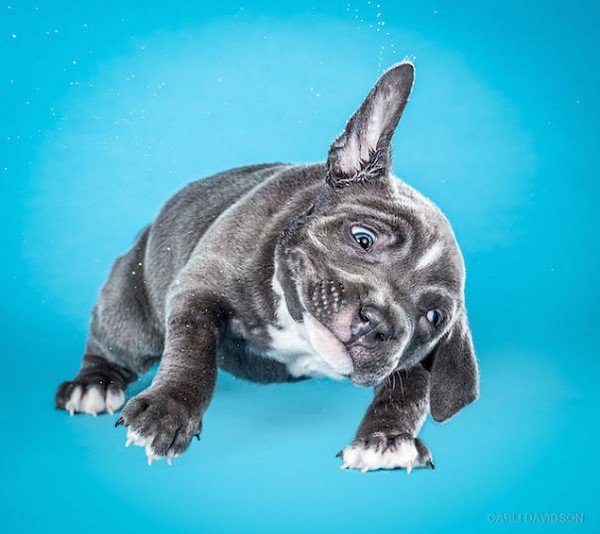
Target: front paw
<point>159,422</point>
<point>382,450</point>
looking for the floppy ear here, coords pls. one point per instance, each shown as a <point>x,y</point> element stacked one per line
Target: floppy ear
<point>454,380</point>
<point>362,151</point>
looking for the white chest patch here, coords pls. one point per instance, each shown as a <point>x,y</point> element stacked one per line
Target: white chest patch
<point>291,344</point>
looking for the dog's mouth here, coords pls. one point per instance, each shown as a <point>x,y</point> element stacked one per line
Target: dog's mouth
<point>328,346</point>
<point>336,354</point>
<point>341,351</point>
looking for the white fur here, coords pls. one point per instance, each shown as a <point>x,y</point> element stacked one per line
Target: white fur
<point>368,458</point>
<point>146,442</point>
<point>115,398</point>
<point>310,365</point>
<point>94,400</point>
<point>72,404</point>
<point>430,255</point>
<point>307,349</point>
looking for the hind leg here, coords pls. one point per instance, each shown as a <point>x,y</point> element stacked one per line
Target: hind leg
<point>124,340</point>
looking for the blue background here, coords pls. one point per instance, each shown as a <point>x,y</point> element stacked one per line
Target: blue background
<point>107,108</point>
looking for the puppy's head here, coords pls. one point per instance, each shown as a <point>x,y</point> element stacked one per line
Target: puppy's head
<point>373,270</point>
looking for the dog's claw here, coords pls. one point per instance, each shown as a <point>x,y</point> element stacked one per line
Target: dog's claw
<point>119,422</point>
<point>129,442</point>
<point>430,464</point>
<point>197,436</point>
<point>409,469</point>
<point>150,456</point>
<point>339,454</point>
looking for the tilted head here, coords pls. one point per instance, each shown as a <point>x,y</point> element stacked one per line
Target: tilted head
<point>373,270</point>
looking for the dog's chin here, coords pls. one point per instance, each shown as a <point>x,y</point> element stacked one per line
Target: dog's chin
<point>366,379</point>
<point>370,369</point>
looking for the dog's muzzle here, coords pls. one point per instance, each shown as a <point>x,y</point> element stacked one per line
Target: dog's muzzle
<point>370,328</point>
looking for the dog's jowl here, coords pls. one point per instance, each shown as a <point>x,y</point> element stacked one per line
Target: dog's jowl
<point>280,273</point>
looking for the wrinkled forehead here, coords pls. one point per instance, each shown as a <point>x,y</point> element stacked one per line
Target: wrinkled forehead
<point>419,247</point>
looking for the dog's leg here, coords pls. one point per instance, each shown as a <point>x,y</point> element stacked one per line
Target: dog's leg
<point>166,416</point>
<point>123,341</point>
<point>387,436</point>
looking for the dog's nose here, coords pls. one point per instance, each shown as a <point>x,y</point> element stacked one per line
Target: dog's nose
<point>370,327</point>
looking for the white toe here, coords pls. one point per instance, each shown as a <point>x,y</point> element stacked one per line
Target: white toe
<point>72,405</point>
<point>369,458</point>
<point>115,398</point>
<point>406,454</point>
<point>145,442</point>
<point>95,400</point>
<point>142,441</point>
<point>151,455</point>
<point>92,401</point>
<point>351,456</point>
<point>136,439</point>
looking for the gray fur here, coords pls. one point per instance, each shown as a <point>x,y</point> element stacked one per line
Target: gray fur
<point>209,283</point>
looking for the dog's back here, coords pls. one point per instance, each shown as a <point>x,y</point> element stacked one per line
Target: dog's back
<point>184,219</point>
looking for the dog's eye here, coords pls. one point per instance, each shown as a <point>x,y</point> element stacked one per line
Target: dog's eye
<point>434,317</point>
<point>363,237</point>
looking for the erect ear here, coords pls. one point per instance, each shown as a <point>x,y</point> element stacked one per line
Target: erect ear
<point>362,151</point>
<point>454,380</point>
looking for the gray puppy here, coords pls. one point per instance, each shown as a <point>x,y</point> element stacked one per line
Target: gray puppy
<point>281,272</point>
